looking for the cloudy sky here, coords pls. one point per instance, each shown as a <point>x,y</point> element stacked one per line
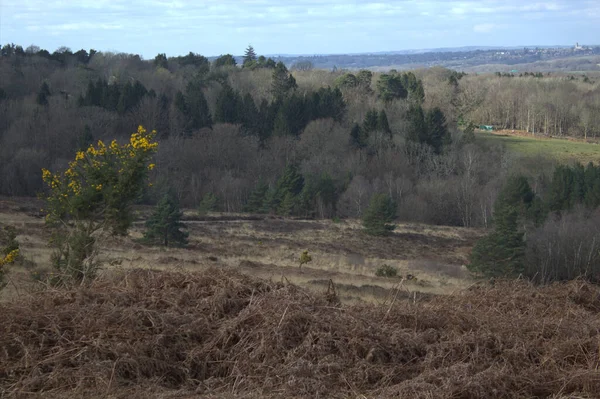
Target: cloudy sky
<point>213,27</point>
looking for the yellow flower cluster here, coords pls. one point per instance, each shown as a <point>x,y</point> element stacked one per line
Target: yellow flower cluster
<point>102,168</point>
<point>143,140</point>
<point>10,258</point>
<point>50,179</point>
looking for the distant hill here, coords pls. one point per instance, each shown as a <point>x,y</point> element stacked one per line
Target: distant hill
<point>470,58</point>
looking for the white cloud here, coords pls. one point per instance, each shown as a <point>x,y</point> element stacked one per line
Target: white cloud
<point>484,28</point>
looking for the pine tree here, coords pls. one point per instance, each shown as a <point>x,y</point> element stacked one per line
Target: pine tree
<point>283,81</point>
<point>226,60</point>
<point>43,94</point>
<point>358,137</point>
<point>228,106</point>
<point>287,205</point>
<point>371,121</point>
<point>417,129</point>
<point>196,107</point>
<point>437,132</point>
<point>379,215</point>
<point>281,127</point>
<point>502,252</point>
<point>208,203</point>
<point>249,56</point>
<point>383,124</point>
<point>257,197</point>
<point>164,226</point>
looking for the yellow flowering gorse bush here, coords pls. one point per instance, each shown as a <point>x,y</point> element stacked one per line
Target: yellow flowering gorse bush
<point>95,194</point>
<point>101,180</point>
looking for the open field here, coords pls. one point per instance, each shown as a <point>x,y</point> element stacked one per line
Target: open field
<point>270,248</point>
<point>560,149</point>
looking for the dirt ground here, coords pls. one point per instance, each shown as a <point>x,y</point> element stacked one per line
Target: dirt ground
<point>270,247</point>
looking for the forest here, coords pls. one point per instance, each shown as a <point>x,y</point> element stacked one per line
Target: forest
<point>267,137</point>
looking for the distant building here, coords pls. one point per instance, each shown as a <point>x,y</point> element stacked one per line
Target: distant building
<point>578,47</point>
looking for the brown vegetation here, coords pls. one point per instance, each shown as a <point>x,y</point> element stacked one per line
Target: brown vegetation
<point>175,334</point>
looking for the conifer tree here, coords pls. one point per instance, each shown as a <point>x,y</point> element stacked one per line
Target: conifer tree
<point>257,197</point>
<point>501,253</point>
<point>228,106</point>
<point>249,56</point>
<point>383,124</point>
<point>358,137</point>
<point>225,61</point>
<point>194,106</point>
<point>43,94</point>
<point>283,81</point>
<point>371,121</point>
<point>437,132</point>
<point>380,214</point>
<point>164,226</point>
<point>417,129</point>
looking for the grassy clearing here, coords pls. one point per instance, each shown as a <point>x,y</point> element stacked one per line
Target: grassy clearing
<point>559,149</point>
<point>271,248</point>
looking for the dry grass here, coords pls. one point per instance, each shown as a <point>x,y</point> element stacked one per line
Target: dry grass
<point>270,248</point>
<point>144,333</point>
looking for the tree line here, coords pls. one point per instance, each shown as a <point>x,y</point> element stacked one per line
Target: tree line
<point>259,137</point>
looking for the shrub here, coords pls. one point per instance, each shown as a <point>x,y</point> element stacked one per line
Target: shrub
<point>379,215</point>
<point>386,271</point>
<point>208,204</point>
<point>164,226</point>
<point>305,258</point>
<point>9,251</point>
<point>93,196</point>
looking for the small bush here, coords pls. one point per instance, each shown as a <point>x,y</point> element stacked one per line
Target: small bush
<point>9,250</point>
<point>386,271</point>
<point>208,204</point>
<point>305,258</point>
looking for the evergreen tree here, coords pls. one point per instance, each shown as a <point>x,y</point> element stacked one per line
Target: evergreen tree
<point>250,117</point>
<point>592,184</point>
<point>257,197</point>
<point>501,253</point>
<point>249,56</point>
<point>380,214</point>
<point>281,126</point>
<point>417,129</point>
<point>283,81</point>
<point>226,60</point>
<point>290,182</point>
<point>208,204</point>
<point>161,61</point>
<point>287,205</point>
<point>358,137</point>
<point>561,189</point>
<point>164,226</point>
<point>371,121</point>
<point>364,78</point>
<point>390,87</point>
<point>43,94</point>
<point>196,107</point>
<point>383,124</point>
<point>228,106</point>
<point>437,132</point>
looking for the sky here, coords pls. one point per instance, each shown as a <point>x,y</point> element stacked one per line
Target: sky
<point>214,27</point>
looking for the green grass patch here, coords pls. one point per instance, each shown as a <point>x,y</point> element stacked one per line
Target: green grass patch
<point>559,149</point>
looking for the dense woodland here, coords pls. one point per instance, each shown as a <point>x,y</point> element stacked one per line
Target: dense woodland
<point>261,136</point>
